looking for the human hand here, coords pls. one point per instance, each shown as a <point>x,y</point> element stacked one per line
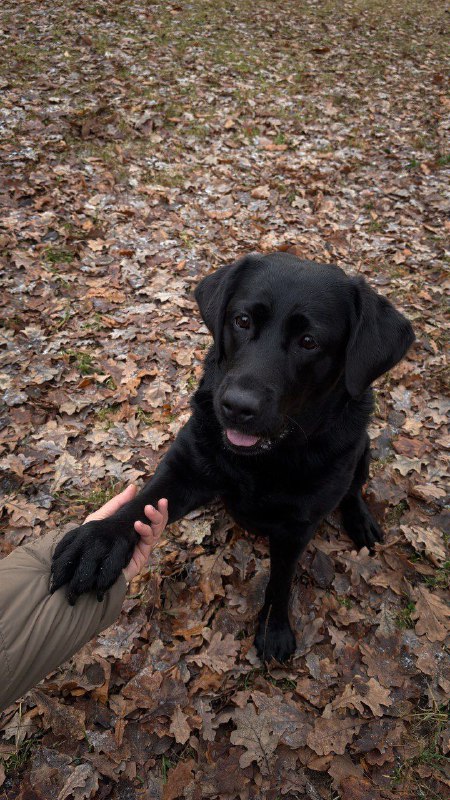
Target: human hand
<point>149,534</point>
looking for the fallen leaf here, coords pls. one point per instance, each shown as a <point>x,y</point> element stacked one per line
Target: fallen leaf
<point>64,720</point>
<point>220,655</point>
<point>212,568</point>
<point>179,726</point>
<point>405,465</point>
<point>67,467</point>
<point>261,192</point>
<point>178,779</point>
<point>332,735</point>
<point>155,394</point>
<point>83,783</point>
<point>359,694</point>
<point>432,615</point>
<point>255,733</point>
<point>426,539</point>
<point>358,788</point>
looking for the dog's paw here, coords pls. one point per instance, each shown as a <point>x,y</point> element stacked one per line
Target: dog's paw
<point>274,641</point>
<point>91,558</point>
<point>361,527</point>
<point>365,532</point>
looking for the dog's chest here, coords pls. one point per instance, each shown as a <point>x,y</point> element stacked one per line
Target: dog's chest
<point>254,484</point>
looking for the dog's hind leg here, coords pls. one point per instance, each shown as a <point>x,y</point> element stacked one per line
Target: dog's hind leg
<point>356,517</point>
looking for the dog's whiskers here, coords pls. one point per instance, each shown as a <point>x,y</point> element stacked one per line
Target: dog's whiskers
<point>298,425</point>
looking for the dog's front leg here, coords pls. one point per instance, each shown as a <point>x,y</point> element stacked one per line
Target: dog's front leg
<point>91,557</point>
<point>274,636</point>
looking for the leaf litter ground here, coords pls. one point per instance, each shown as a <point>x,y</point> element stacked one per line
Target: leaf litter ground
<point>144,144</point>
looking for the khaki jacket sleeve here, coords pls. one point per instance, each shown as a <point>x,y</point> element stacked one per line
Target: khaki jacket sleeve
<point>39,631</point>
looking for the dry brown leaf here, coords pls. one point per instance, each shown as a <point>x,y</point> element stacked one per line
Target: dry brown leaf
<point>355,787</point>
<point>220,655</point>
<point>362,693</point>
<point>25,514</point>
<point>117,640</point>
<point>154,438</point>
<point>67,467</point>
<point>413,448</point>
<point>255,733</point>
<point>342,767</point>
<point>64,720</point>
<point>426,539</point>
<point>143,688</point>
<point>96,244</point>
<point>383,663</point>
<point>289,721</point>
<point>107,293</point>
<point>212,568</point>
<point>428,492</point>
<point>405,465</point>
<point>179,726</point>
<point>82,783</point>
<point>261,192</point>
<point>432,615</point>
<point>155,394</point>
<point>360,564</point>
<point>184,357</point>
<point>332,735</point>
<point>178,779</point>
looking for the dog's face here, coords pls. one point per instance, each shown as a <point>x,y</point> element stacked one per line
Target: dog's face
<point>289,334</point>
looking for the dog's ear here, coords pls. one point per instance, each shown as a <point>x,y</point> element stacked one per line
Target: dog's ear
<point>213,294</point>
<point>379,338</point>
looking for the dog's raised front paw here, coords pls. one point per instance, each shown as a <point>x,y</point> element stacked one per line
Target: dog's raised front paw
<point>91,558</point>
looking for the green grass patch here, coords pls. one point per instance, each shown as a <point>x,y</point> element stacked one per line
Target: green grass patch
<point>395,513</point>
<point>98,497</point>
<point>144,416</point>
<point>55,255</point>
<point>441,578</point>
<point>428,725</point>
<point>106,413</point>
<point>403,618</point>
<point>344,601</point>
<point>18,760</point>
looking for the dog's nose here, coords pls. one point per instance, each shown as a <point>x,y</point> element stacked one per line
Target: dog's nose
<point>240,406</point>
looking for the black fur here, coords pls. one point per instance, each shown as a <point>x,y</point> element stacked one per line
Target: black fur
<point>309,405</point>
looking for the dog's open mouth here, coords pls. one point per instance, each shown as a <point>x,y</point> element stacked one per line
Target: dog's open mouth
<point>239,439</point>
<point>246,443</point>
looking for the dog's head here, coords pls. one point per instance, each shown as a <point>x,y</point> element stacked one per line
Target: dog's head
<point>289,334</point>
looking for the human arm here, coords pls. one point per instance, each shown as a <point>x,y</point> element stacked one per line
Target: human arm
<point>40,631</point>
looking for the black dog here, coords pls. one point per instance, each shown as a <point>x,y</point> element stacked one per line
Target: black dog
<point>279,424</point>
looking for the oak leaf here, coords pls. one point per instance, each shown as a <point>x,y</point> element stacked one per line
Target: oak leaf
<point>426,539</point>
<point>360,694</point>
<point>62,719</point>
<point>289,722</point>
<point>332,735</point>
<point>179,726</point>
<point>255,733</point>
<point>220,656</point>
<point>178,779</point>
<point>212,568</point>
<point>66,468</point>
<point>432,615</point>
<point>82,783</point>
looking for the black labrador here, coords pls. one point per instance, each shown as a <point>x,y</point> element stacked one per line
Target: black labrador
<point>278,427</point>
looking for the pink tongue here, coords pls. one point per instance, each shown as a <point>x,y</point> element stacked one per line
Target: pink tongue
<point>241,439</point>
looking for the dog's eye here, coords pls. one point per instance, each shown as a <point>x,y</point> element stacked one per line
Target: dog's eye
<point>308,342</point>
<point>242,321</point>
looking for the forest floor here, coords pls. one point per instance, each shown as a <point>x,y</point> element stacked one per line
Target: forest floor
<point>144,144</point>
